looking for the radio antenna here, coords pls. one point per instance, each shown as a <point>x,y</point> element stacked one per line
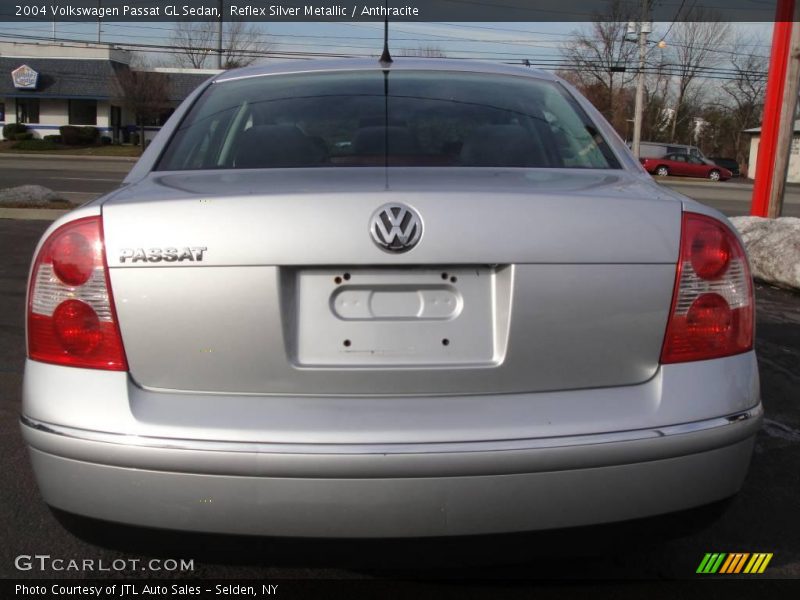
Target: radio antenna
<point>386,57</point>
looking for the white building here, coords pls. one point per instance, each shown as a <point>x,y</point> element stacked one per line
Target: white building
<point>46,86</point>
<point>793,175</point>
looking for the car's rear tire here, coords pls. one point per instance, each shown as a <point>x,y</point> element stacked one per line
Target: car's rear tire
<point>714,175</point>
<point>662,171</point>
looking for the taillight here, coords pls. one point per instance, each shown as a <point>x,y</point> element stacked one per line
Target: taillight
<point>71,317</point>
<point>712,304</point>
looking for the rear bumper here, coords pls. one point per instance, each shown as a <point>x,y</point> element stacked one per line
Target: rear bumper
<point>389,466</point>
<point>330,490</point>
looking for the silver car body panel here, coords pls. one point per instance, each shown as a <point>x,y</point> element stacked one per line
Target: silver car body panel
<point>399,467</point>
<point>111,402</point>
<point>471,216</point>
<point>391,506</point>
<point>370,460</point>
<point>268,309</point>
<point>244,411</point>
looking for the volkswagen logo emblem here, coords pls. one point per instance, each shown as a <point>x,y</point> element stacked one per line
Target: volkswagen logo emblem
<point>395,227</point>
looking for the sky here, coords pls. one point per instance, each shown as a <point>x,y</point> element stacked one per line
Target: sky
<point>511,42</point>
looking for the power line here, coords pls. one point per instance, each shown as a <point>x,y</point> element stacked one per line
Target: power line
<point>322,45</point>
<point>437,38</point>
<point>547,63</point>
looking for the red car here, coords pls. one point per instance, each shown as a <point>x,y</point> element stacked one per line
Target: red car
<point>685,165</point>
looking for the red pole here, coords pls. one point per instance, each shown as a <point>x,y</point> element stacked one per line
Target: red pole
<point>776,82</point>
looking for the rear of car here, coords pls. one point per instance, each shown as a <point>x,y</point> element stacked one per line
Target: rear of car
<point>651,164</point>
<point>418,300</point>
<point>727,163</point>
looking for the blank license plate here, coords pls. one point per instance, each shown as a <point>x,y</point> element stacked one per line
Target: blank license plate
<point>394,317</point>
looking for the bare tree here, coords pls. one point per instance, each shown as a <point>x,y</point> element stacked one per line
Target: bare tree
<point>145,94</point>
<point>242,43</point>
<point>424,52</point>
<point>696,50</point>
<point>657,116</point>
<point>195,40</point>
<point>598,58</point>
<point>746,94</point>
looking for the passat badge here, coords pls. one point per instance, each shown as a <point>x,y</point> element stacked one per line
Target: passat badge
<point>155,255</point>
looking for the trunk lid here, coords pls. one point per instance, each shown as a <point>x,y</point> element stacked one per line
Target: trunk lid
<point>522,281</point>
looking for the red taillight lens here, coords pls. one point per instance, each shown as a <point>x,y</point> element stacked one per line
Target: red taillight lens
<point>73,258</point>
<point>712,305</point>
<point>709,322</point>
<point>710,252</point>
<point>77,327</point>
<point>71,317</point>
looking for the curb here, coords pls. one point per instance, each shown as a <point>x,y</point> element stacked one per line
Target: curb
<point>32,214</point>
<point>51,155</point>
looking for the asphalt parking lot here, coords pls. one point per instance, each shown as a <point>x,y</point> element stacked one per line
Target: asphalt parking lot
<point>762,518</point>
<point>76,178</point>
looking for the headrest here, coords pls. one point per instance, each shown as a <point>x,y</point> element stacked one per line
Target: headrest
<point>370,141</point>
<point>502,146</point>
<point>275,146</point>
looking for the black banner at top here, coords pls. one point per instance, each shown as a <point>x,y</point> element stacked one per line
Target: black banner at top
<point>26,11</point>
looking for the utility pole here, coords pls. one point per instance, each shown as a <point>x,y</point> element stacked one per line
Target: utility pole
<point>644,29</point>
<point>219,34</point>
<point>786,128</point>
<point>98,20</point>
<point>777,128</point>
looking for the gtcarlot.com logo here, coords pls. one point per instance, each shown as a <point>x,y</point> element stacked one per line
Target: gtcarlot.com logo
<point>732,563</point>
<point>45,562</point>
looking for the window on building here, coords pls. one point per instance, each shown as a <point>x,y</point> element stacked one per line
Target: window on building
<point>27,110</point>
<point>159,120</point>
<point>83,112</point>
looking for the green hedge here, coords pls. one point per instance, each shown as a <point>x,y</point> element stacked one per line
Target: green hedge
<point>12,129</point>
<point>21,137</point>
<point>72,135</point>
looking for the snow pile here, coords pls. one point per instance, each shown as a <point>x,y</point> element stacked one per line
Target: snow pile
<point>28,195</point>
<point>773,246</point>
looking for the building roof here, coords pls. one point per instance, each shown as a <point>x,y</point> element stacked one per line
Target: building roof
<point>183,84</point>
<point>758,129</point>
<point>85,78</point>
<point>62,77</point>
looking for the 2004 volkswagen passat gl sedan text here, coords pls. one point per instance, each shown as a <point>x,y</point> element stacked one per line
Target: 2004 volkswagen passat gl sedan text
<point>361,299</point>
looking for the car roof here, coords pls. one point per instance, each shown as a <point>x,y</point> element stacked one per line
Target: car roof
<point>400,64</point>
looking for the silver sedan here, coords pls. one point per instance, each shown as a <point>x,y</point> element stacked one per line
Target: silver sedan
<point>355,299</point>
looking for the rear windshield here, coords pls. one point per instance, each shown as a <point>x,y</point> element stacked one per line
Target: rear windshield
<point>373,118</point>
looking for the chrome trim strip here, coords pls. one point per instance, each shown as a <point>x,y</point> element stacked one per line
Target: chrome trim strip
<point>737,419</point>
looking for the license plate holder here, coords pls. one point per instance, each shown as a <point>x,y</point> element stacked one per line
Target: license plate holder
<point>378,317</point>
